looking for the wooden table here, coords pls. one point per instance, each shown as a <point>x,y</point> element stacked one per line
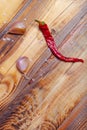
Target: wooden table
<point>55,96</point>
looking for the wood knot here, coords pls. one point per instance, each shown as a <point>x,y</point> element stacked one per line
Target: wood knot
<point>53,31</point>
<point>6,86</point>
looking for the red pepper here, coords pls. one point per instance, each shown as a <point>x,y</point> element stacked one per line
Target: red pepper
<point>52,45</point>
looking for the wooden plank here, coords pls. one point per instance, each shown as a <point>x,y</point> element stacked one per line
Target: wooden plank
<point>8,10</point>
<point>54,88</point>
<point>14,17</point>
<point>78,118</point>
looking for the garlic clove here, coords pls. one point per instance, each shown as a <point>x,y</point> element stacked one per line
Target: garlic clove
<point>18,28</point>
<point>22,64</point>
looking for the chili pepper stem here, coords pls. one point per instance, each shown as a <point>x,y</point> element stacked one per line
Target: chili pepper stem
<point>37,21</point>
<point>40,22</point>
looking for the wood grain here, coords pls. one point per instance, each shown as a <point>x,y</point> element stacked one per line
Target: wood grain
<point>51,95</point>
<point>8,10</point>
<point>78,118</point>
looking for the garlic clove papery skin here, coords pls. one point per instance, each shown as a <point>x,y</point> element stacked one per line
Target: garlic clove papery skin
<point>22,64</point>
<point>18,28</point>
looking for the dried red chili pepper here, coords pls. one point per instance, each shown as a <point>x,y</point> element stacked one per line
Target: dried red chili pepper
<point>52,45</point>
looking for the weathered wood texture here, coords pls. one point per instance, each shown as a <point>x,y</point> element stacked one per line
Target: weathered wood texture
<point>77,119</point>
<point>52,98</point>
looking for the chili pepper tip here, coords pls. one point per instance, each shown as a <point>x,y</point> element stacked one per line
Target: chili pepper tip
<point>40,22</point>
<point>82,60</point>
